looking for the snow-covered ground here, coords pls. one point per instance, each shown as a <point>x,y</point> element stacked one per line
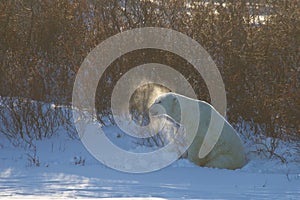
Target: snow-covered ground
<point>67,170</point>
<point>61,167</point>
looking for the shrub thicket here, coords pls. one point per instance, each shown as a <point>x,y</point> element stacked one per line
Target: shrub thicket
<point>255,45</point>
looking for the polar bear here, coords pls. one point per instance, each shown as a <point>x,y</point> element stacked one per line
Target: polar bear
<point>228,151</point>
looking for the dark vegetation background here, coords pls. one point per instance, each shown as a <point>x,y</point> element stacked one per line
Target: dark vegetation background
<point>44,42</point>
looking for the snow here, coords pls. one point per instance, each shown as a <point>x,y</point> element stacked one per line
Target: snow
<point>59,176</point>
<point>65,169</point>
<point>169,183</point>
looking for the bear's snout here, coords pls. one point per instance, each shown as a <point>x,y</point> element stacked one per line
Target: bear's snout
<point>156,109</point>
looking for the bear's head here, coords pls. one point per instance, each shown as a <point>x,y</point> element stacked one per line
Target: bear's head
<point>168,104</point>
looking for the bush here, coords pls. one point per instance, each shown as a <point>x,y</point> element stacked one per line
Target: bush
<point>255,45</point>
<point>27,120</point>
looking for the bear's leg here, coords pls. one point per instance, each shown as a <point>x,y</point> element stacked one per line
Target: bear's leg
<point>223,161</point>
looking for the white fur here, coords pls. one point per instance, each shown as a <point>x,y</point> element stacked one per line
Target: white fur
<point>228,152</point>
